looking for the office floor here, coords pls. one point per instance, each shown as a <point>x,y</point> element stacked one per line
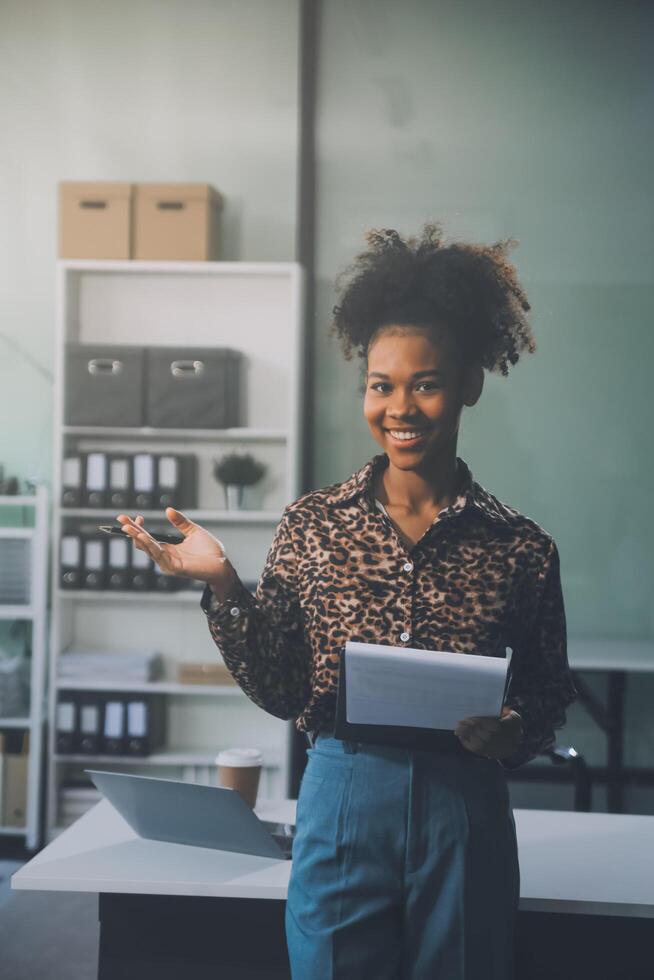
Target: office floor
<point>46,935</point>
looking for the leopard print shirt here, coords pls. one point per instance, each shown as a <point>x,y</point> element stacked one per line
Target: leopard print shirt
<point>483,577</point>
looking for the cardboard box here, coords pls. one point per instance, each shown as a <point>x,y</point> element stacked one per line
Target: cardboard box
<point>95,220</point>
<point>13,809</point>
<point>177,222</point>
<point>201,673</point>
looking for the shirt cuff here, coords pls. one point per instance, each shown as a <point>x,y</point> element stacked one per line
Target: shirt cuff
<point>229,611</point>
<point>523,753</point>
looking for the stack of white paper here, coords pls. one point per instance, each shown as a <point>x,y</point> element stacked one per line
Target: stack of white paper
<point>109,665</point>
<point>389,685</point>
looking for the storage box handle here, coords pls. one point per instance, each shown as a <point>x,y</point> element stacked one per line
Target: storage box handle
<point>170,205</point>
<point>104,365</point>
<point>179,369</point>
<point>93,204</point>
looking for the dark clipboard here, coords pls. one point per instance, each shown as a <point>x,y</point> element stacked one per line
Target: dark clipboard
<point>397,736</point>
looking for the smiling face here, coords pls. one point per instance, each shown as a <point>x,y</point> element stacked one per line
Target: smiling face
<point>416,387</point>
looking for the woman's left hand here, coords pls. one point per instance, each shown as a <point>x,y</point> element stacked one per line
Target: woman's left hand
<point>491,737</point>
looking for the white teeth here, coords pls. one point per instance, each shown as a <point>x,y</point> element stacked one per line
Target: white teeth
<point>403,436</point>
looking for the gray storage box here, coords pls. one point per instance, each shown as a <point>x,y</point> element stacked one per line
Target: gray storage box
<point>103,384</point>
<point>193,387</point>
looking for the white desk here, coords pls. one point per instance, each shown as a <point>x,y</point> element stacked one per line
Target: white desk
<point>101,853</point>
<point>591,863</point>
<point>635,656</point>
<point>574,866</point>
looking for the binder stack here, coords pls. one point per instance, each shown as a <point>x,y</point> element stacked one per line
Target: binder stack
<point>98,562</point>
<point>109,723</point>
<point>142,481</point>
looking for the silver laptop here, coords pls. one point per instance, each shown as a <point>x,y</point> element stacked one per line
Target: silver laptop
<point>187,813</point>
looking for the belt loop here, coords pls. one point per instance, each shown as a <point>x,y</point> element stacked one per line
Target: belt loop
<point>350,747</point>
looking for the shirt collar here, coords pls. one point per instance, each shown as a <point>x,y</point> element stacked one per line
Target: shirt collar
<point>472,494</point>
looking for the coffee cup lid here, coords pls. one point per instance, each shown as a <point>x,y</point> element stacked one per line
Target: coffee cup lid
<point>239,757</point>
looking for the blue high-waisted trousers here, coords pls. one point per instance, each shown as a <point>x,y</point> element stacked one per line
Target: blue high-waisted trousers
<point>405,866</point>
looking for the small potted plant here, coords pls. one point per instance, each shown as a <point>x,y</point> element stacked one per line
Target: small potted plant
<point>236,471</point>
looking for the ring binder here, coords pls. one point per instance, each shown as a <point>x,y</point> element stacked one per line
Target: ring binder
<point>143,481</point>
<point>118,563</point>
<point>94,562</point>
<point>120,481</point>
<point>73,478</point>
<point>95,490</point>
<point>70,561</point>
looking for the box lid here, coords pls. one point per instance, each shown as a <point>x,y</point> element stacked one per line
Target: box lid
<point>181,192</point>
<point>95,189</point>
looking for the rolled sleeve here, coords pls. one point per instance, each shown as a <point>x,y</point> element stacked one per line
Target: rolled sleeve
<point>262,637</point>
<point>541,684</point>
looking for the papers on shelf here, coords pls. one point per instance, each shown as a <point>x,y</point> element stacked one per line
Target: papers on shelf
<point>110,665</point>
<point>389,685</point>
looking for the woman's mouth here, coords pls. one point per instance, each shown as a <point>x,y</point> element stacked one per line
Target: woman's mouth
<point>407,437</point>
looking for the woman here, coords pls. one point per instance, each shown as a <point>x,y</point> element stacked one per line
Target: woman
<point>405,861</point>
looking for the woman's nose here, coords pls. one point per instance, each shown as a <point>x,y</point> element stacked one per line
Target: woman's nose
<point>402,406</point>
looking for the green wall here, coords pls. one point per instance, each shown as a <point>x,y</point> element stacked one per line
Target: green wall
<point>530,121</point>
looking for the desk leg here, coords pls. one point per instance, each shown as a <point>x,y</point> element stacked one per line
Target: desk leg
<point>615,740</point>
<point>168,937</point>
<point>611,720</point>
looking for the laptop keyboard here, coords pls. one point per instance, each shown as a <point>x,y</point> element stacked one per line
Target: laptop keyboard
<point>283,833</point>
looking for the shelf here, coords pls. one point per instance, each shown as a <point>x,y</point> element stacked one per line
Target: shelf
<point>168,757</point>
<point>236,434</point>
<point>13,831</point>
<point>17,532</point>
<point>14,723</point>
<point>152,687</point>
<point>257,308</point>
<point>217,516</point>
<point>23,500</point>
<point>102,595</point>
<point>214,268</point>
<point>17,612</point>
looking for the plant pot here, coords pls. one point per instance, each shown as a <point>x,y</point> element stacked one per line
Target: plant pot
<point>253,497</point>
<point>234,496</point>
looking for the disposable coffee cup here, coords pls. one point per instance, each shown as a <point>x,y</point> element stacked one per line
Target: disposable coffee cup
<point>240,769</point>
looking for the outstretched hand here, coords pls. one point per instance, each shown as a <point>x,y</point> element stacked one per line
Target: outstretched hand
<point>199,555</point>
<point>491,737</point>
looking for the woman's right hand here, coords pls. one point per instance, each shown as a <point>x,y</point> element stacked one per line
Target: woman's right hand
<point>200,555</point>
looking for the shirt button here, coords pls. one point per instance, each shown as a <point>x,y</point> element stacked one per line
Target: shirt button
<point>408,566</point>
<point>235,611</point>
<point>404,637</point>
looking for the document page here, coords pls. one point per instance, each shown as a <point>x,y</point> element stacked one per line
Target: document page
<point>389,685</point>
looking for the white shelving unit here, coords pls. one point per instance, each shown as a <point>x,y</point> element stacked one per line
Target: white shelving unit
<point>36,612</point>
<point>256,308</point>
